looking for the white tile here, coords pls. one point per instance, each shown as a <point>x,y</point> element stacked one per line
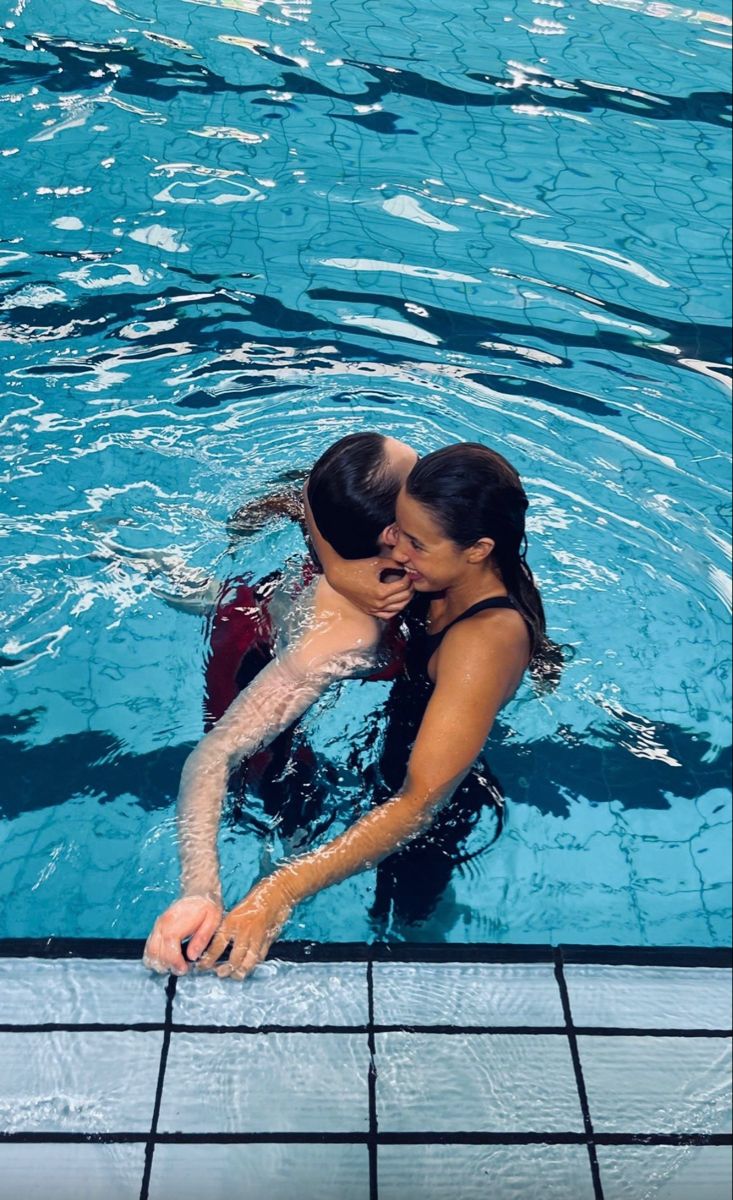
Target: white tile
<point>86,1082</point>
<point>650,997</point>
<point>38,991</point>
<point>666,1172</point>
<point>463,1082</point>
<point>466,994</point>
<point>657,1084</point>
<point>445,1172</point>
<point>38,1172</point>
<point>277,993</point>
<point>265,1082</point>
<point>281,1172</point>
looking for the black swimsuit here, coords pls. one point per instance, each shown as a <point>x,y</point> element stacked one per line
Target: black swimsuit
<point>411,881</point>
<point>422,645</point>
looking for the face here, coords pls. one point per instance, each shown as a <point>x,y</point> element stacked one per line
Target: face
<point>432,561</point>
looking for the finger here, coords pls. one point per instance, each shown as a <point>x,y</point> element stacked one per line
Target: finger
<point>248,963</point>
<point>386,614</point>
<point>218,945</point>
<point>202,936</point>
<point>392,607</point>
<point>399,598</point>
<point>172,956</point>
<point>239,949</point>
<point>389,563</point>
<point>151,954</point>
<point>390,591</point>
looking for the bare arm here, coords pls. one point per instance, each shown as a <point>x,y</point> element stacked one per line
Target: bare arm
<point>252,517</point>
<point>359,579</point>
<point>338,644</point>
<point>474,678</point>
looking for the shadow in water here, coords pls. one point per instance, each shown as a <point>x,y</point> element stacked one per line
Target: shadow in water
<point>598,767</point>
<point>71,67</point>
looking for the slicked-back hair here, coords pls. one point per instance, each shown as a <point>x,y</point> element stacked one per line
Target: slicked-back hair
<point>352,494</point>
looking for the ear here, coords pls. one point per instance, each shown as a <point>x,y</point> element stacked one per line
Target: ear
<point>388,536</point>
<point>481,550</point>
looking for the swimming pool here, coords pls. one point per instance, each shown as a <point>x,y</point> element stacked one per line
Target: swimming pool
<point>236,230</point>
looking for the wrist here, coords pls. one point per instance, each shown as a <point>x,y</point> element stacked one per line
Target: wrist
<point>194,891</point>
<point>286,885</point>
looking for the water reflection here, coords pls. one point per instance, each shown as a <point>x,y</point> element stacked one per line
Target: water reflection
<point>236,230</point>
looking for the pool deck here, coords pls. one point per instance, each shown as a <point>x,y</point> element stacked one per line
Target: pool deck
<point>353,1072</point>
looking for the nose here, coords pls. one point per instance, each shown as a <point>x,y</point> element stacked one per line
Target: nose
<point>398,551</point>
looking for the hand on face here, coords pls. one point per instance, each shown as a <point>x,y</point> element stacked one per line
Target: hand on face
<point>192,917</point>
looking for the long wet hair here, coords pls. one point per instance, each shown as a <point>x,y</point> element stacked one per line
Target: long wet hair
<point>352,494</point>
<point>472,493</point>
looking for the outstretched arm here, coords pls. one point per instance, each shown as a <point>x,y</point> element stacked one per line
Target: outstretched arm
<point>474,678</point>
<point>339,643</point>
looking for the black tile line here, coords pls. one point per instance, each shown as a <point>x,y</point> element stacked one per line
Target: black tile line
<point>85,1027</point>
<point>170,992</point>
<point>449,1030</point>
<point>663,1139</point>
<point>372,1086</point>
<point>357,1138</point>
<point>381,952</point>
<point>178,1027</point>
<point>320,952</point>
<point>579,1080</point>
<point>495,1138</point>
<point>647,956</point>
<point>648,1031</point>
<point>439,1029</point>
<point>619,1031</point>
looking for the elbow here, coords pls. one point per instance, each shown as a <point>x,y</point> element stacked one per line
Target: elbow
<point>419,809</point>
<point>427,796</point>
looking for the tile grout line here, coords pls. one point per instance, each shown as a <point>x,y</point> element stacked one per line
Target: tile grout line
<point>170,992</point>
<point>322,1137</point>
<point>372,1087</point>
<point>439,1029</point>
<point>132,948</point>
<point>579,1080</point>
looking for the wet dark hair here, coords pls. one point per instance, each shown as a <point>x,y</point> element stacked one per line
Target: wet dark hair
<point>473,492</point>
<point>352,494</point>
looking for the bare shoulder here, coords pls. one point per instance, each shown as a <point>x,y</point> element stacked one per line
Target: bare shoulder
<point>492,645</point>
<point>495,630</point>
<point>332,607</point>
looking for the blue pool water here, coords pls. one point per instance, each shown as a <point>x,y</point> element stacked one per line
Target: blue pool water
<point>233,230</point>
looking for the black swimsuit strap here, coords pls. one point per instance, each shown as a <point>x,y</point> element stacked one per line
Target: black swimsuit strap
<point>480,606</point>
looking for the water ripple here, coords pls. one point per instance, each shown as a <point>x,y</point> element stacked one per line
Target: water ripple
<point>236,230</point>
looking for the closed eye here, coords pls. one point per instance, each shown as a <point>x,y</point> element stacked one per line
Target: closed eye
<point>412,540</point>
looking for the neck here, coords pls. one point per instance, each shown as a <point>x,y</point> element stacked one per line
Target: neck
<point>481,584</point>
